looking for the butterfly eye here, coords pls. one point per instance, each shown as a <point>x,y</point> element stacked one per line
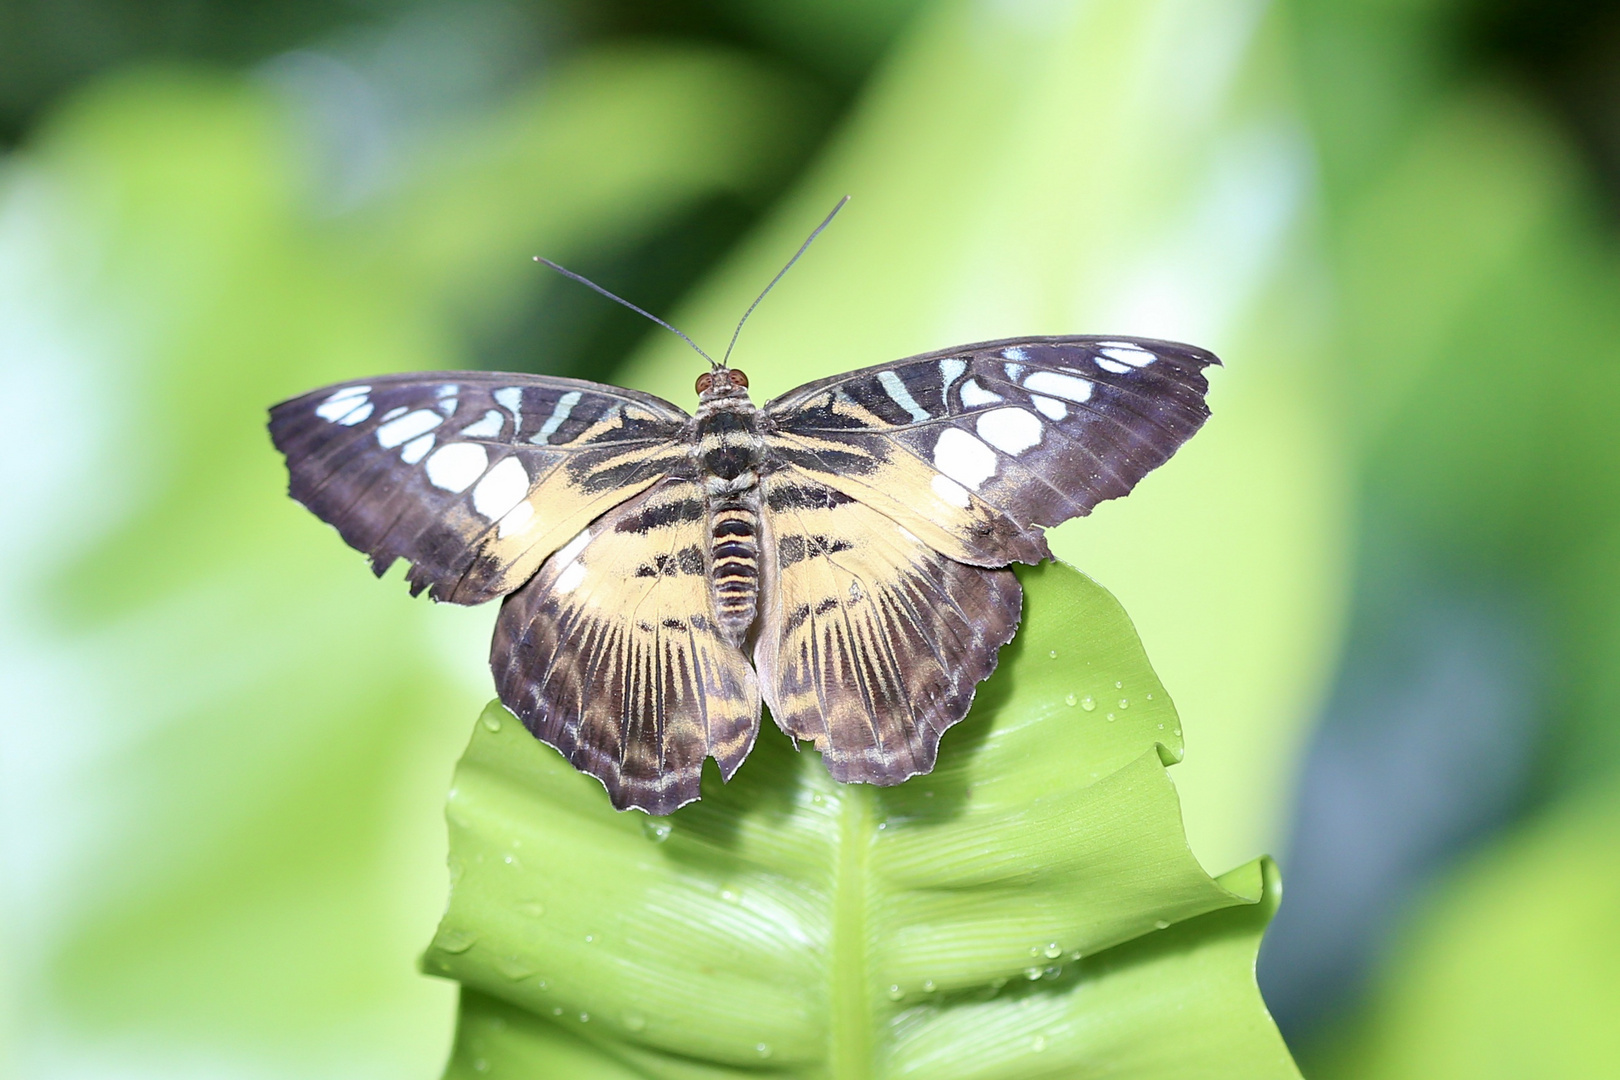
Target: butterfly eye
<point>705,381</point>
<point>738,378</point>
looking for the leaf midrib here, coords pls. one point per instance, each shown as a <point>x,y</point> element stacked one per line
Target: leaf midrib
<point>851,1007</point>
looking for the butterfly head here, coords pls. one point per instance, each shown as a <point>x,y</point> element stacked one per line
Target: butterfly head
<point>722,382</point>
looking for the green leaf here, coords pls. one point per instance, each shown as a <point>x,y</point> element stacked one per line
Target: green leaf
<point>999,917</point>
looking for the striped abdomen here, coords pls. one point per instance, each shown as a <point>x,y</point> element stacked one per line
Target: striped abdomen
<point>734,564</point>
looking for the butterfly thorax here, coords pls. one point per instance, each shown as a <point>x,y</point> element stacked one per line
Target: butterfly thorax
<point>728,452</point>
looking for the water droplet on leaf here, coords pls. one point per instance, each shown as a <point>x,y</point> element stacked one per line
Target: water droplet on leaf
<point>514,967</point>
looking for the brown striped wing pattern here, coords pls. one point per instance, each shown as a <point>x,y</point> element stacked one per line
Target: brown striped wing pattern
<point>871,642</point>
<point>611,653</point>
<point>473,477</point>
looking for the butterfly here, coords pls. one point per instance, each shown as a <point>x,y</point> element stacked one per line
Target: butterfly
<point>840,553</point>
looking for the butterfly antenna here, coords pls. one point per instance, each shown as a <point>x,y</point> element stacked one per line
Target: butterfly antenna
<point>802,247</point>
<point>567,273</point>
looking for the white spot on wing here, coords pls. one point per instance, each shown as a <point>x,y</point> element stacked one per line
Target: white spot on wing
<point>974,395</point>
<point>455,466</point>
<point>398,410</point>
<point>510,398</point>
<point>1012,431</point>
<point>1127,354</point>
<point>502,488</point>
<point>417,449</point>
<point>950,491</point>
<point>1114,365</point>
<point>341,402</point>
<point>486,428</point>
<point>516,521</point>
<point>407,427</point>
<point>1059,385</point>
<point>1013,371</point>
<point>569,579</point>
<point>1013,352</point>
<point>896,389</point>
<point>573,571</point>
<point>949,371</point>
<point>559,415</point>
<point>1050,407</point>
<point>355,417</point>
<point>570,551</point>
<point>963,458</point>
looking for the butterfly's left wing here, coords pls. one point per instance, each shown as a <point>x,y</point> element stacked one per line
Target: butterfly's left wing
<point>975,449</point>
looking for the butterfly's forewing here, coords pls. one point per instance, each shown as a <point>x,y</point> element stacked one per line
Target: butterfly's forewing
<point>871,642</point>
<point>474,477</point>
<point>611,654</point>
<point>975,448</point>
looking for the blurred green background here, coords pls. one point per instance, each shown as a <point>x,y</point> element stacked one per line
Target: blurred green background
<point>1383,585</point>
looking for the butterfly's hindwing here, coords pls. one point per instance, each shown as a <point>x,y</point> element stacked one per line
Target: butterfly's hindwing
<point>996,440</point>
<point>473,477</point>
<point>871,642</point>
<point>612,654</point>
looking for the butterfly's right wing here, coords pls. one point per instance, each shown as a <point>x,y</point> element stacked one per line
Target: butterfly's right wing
<point>611,654</point>
<point>473,477</point>
<point>976,449</point>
